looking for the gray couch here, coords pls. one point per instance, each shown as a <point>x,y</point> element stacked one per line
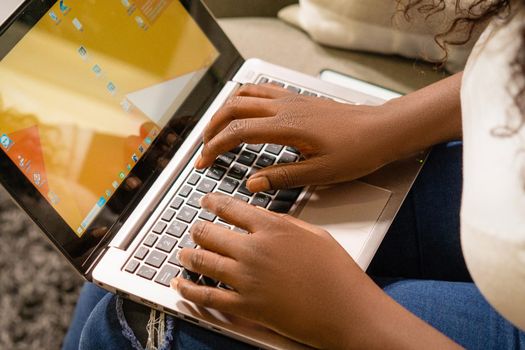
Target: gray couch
<point>253,27</point>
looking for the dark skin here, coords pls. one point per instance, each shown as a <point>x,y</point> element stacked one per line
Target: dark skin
<point>329,302</point>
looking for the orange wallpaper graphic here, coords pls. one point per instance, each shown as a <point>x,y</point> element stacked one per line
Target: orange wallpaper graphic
<point>64,93</point>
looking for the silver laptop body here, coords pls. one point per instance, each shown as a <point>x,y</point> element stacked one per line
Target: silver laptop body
<point>357,214</point>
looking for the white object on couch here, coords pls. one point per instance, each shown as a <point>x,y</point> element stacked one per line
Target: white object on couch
<point>377,26</point>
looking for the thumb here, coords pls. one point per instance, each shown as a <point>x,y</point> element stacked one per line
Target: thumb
<point>282,176</point>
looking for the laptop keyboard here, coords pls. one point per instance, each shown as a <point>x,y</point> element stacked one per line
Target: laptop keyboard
<point>155,258</point>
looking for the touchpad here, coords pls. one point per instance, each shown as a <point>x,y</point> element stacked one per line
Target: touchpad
<point>349,211</point>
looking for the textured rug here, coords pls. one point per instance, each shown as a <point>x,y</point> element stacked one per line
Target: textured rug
<point>38,289</point>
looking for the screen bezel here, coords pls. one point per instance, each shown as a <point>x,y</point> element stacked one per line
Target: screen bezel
<point>82,252</point>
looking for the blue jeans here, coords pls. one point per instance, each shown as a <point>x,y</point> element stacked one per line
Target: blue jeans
<point>419,264</point>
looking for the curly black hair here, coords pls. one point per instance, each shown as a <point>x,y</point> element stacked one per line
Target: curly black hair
<point>460,30</point>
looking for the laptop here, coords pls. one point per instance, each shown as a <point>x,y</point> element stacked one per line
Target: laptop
<point>102,108</point>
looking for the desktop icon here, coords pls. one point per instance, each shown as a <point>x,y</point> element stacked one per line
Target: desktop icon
<point>128,167</point>
<point>135,158</point>
<point>141,149</point>
<point>140,22</point>
<point>64,8</point>
<point>111,88</point>
<point>115,184</point>
<point>121,175</point>
<point>54,17</point>
<point>6,142</point>
<point>83,52</point>
<point>148,141</point>
<point>77,24</point>
<point>38,180</point>
<point>53,198</point>
<point>97,70</point>
<point>126,3</point>
<point>126,105</point>
<point>108,193</point>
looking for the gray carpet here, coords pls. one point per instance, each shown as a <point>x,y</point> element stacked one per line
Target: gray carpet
<point>38,289</point>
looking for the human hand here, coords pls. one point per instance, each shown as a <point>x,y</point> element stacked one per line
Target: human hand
<point>287,275</point>
<point>339,142</point>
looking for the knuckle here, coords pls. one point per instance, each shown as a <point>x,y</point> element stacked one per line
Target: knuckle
<point>218,266</point>
<point>233,103</point>
<point>284,177</point>
<point>200,231</point>
<point>207,297</point>
<point>237,126</point>
<point>224,205</point>
<point>197,260</point>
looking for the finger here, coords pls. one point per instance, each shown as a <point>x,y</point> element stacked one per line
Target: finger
<point>209,264</point>
<point>269,91</point>
<point>282,176</point>
<point>237,212</point>
<point>217,239</point>
<point>215,298</point>
<point>253,131</point>
<point>238,107</point>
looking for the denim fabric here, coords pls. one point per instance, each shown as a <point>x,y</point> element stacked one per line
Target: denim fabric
<point>419,264</point>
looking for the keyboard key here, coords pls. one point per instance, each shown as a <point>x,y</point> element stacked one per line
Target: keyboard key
<point>187,242</point>
<point>255,148</point>
<point>247,158</point>
<point>278,83</point>
<point>200,171</point>
<point>292,149</point>
<point>141,253</point>
<point>206,186</point>
<point>167,274</point>
<point>261,200</point>
<point>236,150</point>
<point>150,240</point>
<point>206,215</point>
<point>289,195</point>
<point>280,206</point>
<point>177,203</point>
<point>207,281</point>
<point>187,214</point>
<point>166,244</point>
<point>146,272</point>
<point>244,190</point>
<point>216,172</point>
<point>293,89</point>
<point>194,200</point>
<point>263,80</point>
<point>156,259</point>
<point>242,198</point>
<point>239,230</point>
<point>132,266</point>
<point>229,185</point>
<point>193,179</point>
<point>287,158</point>
<point>190,276</point>
<point>308,93</point>
<point>159,227</point>
<point>274,149</point>
<point>177,229</point>
<point>237,171</point>
<point>174,258</point>
<point>185,191</point>
<point>265,160</point>
<point>270,192</point>
<point>225,159</point>
<point>168,215</point>
<point>253,170</point>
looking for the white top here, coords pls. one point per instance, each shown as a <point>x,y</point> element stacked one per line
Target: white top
<point>493,209</point>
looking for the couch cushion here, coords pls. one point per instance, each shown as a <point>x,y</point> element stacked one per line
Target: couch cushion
<point>279,43</point>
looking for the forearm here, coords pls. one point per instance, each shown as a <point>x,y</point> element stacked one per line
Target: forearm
<point>425,117</point>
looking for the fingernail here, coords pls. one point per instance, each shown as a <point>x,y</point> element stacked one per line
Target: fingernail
<point>258,184</point>
<point>174,283</point>
<point>198,162</point>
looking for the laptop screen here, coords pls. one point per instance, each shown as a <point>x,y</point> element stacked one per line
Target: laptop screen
<point>89,102</point>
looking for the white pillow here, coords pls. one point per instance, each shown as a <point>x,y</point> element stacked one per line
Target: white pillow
<point>377,26</point>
